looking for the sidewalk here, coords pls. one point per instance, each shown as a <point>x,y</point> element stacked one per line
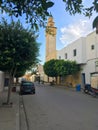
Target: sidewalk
<point>9,115</point>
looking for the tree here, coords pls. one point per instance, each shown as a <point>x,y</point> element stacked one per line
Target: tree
<point>76,6</point>
<point>61,68</point>
<point>36,11</point>
<point>65,68</point>
<point>49,68</point>
<point>72,67</point>
<point>20,71</point>
<point>18,49</point>
<point>95,24</point>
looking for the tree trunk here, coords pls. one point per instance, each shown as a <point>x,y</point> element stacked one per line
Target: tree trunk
<point>97,28</point>
<point>17,80</point>
<point>60,80</point>
<point>9,90</point>
<point>11,77</point>
<point>56,79</point>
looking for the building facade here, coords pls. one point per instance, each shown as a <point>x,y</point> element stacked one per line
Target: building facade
<point>85,52</point>
<point>91,57</point>
<point>74,51</point>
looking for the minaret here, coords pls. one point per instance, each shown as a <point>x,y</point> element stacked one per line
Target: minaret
<point>50,40</point>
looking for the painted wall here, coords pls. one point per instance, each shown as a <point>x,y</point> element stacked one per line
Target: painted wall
<point>79,46</point>
<point>91,55</point>
<point>86,54</point>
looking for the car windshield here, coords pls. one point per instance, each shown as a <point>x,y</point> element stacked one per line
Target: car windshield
<point>27,83</point>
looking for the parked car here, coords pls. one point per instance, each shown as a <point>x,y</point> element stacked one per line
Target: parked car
<point>27,87</point>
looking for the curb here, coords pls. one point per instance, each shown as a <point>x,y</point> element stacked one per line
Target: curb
<point>23,116</point>
<point>18,118</point>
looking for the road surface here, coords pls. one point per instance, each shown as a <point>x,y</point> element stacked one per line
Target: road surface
<point>53,108</point>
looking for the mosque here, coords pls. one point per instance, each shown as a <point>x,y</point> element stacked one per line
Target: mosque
<point>84,51</point>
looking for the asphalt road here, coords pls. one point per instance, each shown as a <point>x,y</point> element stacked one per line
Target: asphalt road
<point>53,108</point>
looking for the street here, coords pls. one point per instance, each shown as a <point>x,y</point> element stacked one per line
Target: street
<point>53,108</point>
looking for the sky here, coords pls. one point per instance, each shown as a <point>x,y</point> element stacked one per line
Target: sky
<point>69,28</point>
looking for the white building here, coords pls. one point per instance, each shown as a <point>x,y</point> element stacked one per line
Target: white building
<point>74,51</point>
<point>91,55</point>
<point>85,52</point>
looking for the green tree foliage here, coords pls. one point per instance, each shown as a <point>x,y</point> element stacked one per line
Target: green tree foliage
<point>20,72</point>
<point>77,6</point>
<point>36,11</point>
<point>54,68</point>
<point>49,68</point>
<point>61,68</point>
<point>95,24</point>
<point>18,48</point>
<point>66,67</point>
<point>95,21</point>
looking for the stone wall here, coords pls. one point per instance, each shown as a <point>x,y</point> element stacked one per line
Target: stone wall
<point>71,80</point>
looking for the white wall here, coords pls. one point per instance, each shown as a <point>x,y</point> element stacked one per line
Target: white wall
<point>79,45</point>
<point>91,54</point>
<point>86,56</point>
<point>92,39</point>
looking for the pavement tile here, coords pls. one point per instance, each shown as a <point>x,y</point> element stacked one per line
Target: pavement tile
<point>9,115</point>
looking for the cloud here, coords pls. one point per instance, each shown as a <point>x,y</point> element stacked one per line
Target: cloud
<point>74,31</point>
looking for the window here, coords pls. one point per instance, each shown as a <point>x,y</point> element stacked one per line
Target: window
<point>65,55</point>
<point>92,47</point>
<point>74,52</point>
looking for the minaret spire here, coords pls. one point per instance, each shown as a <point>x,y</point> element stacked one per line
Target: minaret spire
<point>50,40</point>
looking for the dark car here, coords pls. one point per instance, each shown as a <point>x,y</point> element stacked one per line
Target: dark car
<point>27,87</point>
